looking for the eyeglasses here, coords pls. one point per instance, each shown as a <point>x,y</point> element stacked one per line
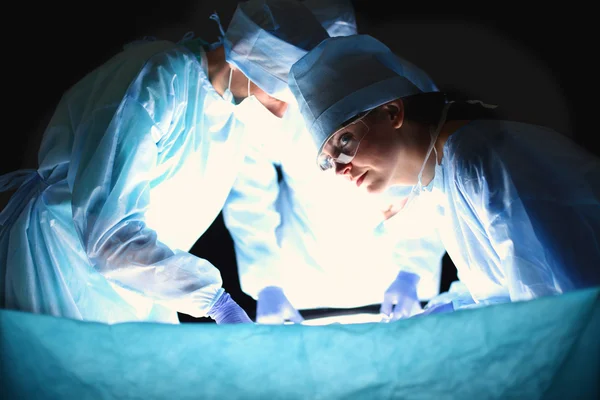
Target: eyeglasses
<point>342,146</point>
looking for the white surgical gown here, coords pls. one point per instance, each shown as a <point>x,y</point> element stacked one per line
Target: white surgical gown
<point>134,166</point>
<point>519,209</point>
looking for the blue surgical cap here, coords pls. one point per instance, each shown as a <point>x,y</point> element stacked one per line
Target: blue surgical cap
<point>344,76</point>
<point>266,37</point>
<point>337,16</point>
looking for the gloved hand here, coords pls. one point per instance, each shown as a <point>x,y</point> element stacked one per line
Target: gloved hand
<point>274,308</point>
<point>400,300</point>
<point>227,311</point>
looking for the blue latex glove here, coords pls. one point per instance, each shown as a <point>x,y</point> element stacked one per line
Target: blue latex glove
<point>400,300</point>
<point>227,311</point>
<point>274,308</point>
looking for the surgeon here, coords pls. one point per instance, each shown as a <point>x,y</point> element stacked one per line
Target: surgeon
<point>287,258</point>
<point>134,166</point>
<point>517,205</point>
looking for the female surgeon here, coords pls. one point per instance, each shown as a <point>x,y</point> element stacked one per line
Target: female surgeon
<point>517,205</point>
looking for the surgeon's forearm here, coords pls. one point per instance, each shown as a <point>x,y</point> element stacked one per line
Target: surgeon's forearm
<point>135,259</point>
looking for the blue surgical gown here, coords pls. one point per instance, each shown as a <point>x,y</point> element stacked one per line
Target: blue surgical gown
<point>134,166</point>
<point>519,209</point>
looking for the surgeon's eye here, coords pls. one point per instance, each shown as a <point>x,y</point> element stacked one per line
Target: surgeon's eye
<point>345,140</point>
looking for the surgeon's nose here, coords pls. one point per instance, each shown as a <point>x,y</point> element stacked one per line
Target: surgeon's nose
<point>343,170</point>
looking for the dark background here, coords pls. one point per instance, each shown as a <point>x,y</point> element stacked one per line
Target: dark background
<point>535,62</point>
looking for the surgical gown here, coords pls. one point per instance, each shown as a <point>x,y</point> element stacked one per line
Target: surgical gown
<point>134,166</point>
<point>519,209</point>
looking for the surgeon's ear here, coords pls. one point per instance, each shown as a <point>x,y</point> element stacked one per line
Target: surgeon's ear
<point>394,110</point>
